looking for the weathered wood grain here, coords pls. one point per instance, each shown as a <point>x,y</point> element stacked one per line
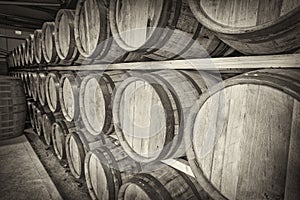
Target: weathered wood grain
<point>95,100</point>
<point>106,169</point>
<point>150,111</point>
<point>164,183</point>
<point>162,30</point>
<point>241,136</point>
<point>252,27</point>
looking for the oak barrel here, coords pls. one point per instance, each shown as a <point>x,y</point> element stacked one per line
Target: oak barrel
<point>106,169</point>
<point>162,30</point>
<point>20,55</point>
<point>165,183</point>
<point>27,83</point>
<point>39,112</point>
<point>48,43</point>
<point>95,100</point>
<point>48,120</point>
<point>52,91</point>
<point>36,121</point>
<point>12,107</point>
<point>38,50</point>
<point>69,96</point>
<point>64,36</point>
<point>33,85</point>
<point>150,111</point>
<point>75,153</point>
<point>31,108</point>
<point>24,79</point>
<point>252,26</point>
<point>30,49</point>
<point>23,54</point>
<point>60,129</point>
<point>93,36</point>
<point>41,88</point>
<point>78,143</point>
<point>244,137</point>
<point>26,55</point>
<point>14,57</point>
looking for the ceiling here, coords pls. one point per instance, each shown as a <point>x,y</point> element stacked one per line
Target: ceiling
<point>28,15</point>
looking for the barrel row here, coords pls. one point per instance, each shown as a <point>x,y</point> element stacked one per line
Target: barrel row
<point>108,170</point>
<point>105,36</point>
<point>100,31</point>
<point>104,163</point>
<point>221,127</point>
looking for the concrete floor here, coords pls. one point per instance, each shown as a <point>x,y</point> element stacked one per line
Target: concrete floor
<point>22,176</point>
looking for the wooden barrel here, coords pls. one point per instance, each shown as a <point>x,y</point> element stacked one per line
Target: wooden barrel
<point>12,107</point>
<point>31,107</point>
<point>150,111</point>
<point>106,169</point>
<point>249,27</point>
<point>65,38</point>
<point>41,84</point>
<point>16,54</point>
<point>244,137</point>
<point>38,50</point>
<point>93,36</point>
<point>14,57</point>
<point>95,101</point>
<point>19,55</point>
<point>48,120</point>
<point>52,91</point>
<point>164,183</point>
<point>162,30</point>
<point>75,154</point>
<point>39,112</point>
<point>48,43</point>
<point>23,54</point>
<point>60,129</point>
<point>26,56</point>
<point>77,145</point>
<point>24,78</point>
<point>30,49</point>
<point>33,85</point>
<point>28,83</point>
<point>69,96</point>
<point>38,120</point>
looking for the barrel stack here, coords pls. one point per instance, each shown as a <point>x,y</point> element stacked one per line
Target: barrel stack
<point>114,127</point>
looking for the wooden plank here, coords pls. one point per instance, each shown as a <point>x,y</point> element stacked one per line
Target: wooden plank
<point>292,187</point>
<point>179,165</point>
<point>213,64</point>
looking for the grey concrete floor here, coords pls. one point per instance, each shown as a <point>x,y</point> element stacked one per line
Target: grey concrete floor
<point>22,176</point>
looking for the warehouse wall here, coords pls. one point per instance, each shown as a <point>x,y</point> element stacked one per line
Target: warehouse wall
<point>8,41</point>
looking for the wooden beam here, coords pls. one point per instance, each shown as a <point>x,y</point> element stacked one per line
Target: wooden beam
<point>179,165</point>
<point>229,64</point>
